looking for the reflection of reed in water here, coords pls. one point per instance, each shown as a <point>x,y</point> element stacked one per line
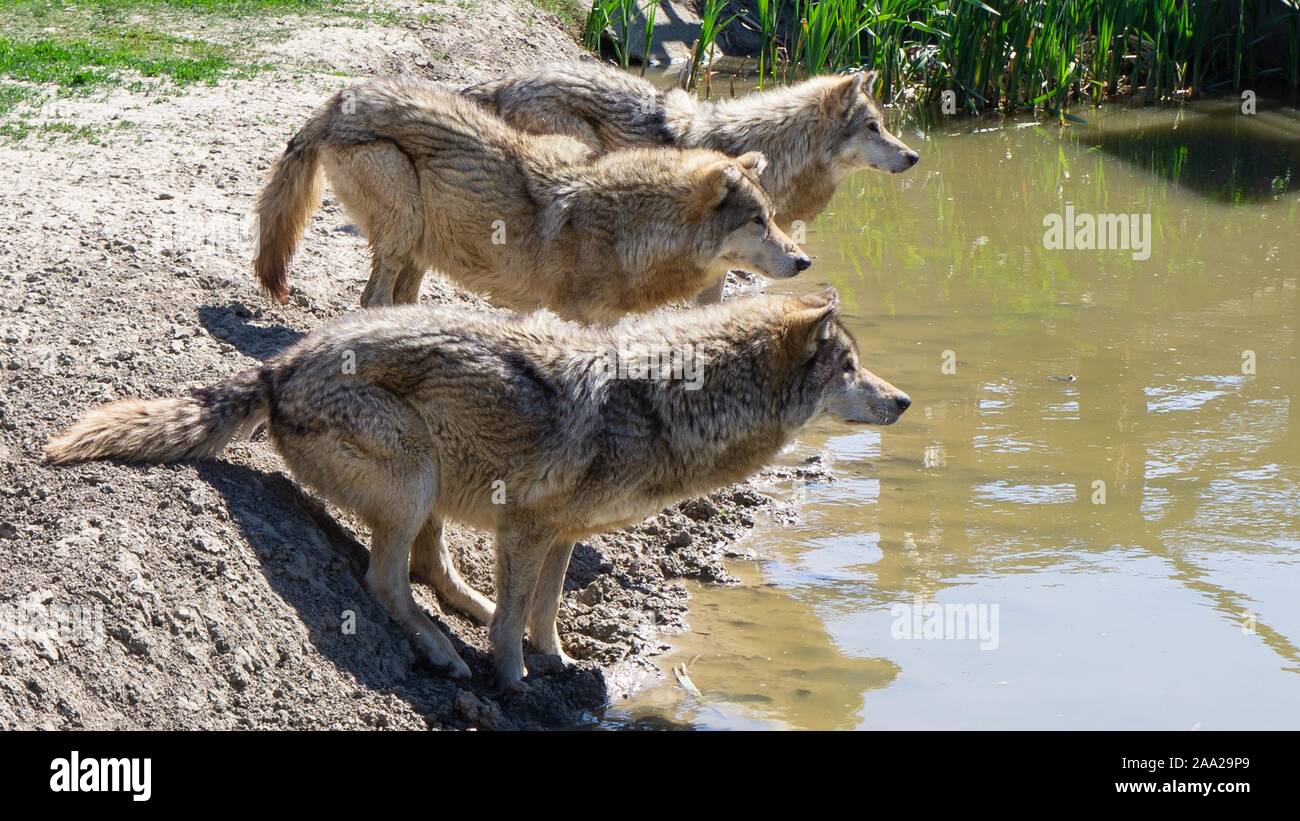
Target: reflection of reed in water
<point>1222,153</point>
<point>950,257</point>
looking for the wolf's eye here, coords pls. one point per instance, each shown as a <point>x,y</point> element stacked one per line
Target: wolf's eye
<point>759,221</point>
<point>873,127</point>
<point>849,367</point>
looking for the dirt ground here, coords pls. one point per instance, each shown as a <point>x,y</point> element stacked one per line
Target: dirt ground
<point>219,595</point>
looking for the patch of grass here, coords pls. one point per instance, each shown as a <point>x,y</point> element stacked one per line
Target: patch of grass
<point>12,95</point>
<point>19,131</point>
<point>80,64</point>
<point>225,7</point>
<point>77,46</point>
<point>572,14</point>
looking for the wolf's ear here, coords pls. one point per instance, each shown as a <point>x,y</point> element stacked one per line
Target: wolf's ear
<point>754,161</point>
<point>845,95</point>
<point>808,322</point>
<point>714,181</point>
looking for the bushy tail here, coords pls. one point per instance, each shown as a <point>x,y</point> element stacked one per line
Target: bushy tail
<point>166,430</point>
<point>287,202</point>
<point>680,111</point>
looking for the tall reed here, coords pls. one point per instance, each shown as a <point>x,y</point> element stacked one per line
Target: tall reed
<point>712,25</point>
<point>1015,54</point>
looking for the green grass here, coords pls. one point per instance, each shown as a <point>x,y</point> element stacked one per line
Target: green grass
<point>222,7</point>
<point>11,96</point>
<point>81,64</point>
<point>571,13</point>
<point>56,48</point>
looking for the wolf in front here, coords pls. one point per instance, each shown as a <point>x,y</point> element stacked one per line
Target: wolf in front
<point>434,181</point>
<point>520,425</point>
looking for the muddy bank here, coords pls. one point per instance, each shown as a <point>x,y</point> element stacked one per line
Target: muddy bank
<point>219,595</point>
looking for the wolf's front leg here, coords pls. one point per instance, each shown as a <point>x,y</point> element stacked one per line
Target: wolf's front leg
<point>521,553</point>
<point>542,630</point>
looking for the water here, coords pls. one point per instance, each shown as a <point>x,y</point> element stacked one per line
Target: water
<point>1100,477</point>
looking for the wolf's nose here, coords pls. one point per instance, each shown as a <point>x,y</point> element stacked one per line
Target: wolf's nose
<point>912,157</point>
<point>803,263</point>
<point>903,401</point>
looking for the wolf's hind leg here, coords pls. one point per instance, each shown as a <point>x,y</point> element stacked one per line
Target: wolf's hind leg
<point>380,189</point>
<point>542,629</point>
<point>406,288</point>
<point>379,288</point>
<point>387,580</point>
<point>392,282</point>
<point>431,561</point>
<point>378,463</point>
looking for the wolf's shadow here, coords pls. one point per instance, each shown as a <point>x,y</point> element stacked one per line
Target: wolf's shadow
<point>234,324</point>
<point>318,567</point>
<point>315,565</point>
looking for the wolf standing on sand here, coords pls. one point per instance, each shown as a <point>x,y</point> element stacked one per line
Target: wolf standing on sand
<point>444,409</point>
<point>814,133</point>
<point>435,181</point>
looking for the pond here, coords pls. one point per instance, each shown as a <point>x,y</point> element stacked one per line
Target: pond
<point>1090,517</point>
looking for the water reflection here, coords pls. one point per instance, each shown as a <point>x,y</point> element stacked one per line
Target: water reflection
<point>1100,463</point>
<point>1213,149</point>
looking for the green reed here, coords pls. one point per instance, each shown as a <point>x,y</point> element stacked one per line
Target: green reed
<point>711,27</point>
<point>615,19</point>
<point>649,13</point>
<point>768,13</point>
<point>1018,54</point>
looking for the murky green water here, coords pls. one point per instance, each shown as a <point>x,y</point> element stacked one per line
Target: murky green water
<point>1098,493</point>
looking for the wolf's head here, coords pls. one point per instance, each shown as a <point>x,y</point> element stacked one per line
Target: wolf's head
<point>825,359</point>
<point>730,199</point>
<point>863,140</point>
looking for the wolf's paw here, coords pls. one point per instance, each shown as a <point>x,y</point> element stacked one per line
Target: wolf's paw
<point>546,664</point>
<point>458,669</point>
<point>437,655</point>
<point>510,677</point>
<point>562,658</point>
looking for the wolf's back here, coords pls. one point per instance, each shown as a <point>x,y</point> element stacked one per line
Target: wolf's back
<point>624,110</point>
<point>166,430</point>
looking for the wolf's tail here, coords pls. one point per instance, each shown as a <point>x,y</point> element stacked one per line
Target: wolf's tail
<point>166,430</point>
<point>287,202</point>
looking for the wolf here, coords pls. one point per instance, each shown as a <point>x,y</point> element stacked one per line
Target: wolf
<point>433,180</point>
<point>813,133</point>
<point>524,425</point>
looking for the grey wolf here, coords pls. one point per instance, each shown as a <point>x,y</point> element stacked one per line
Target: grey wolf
<point>517,425</point>
<point>433,180</point>
<point>814,133</point>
